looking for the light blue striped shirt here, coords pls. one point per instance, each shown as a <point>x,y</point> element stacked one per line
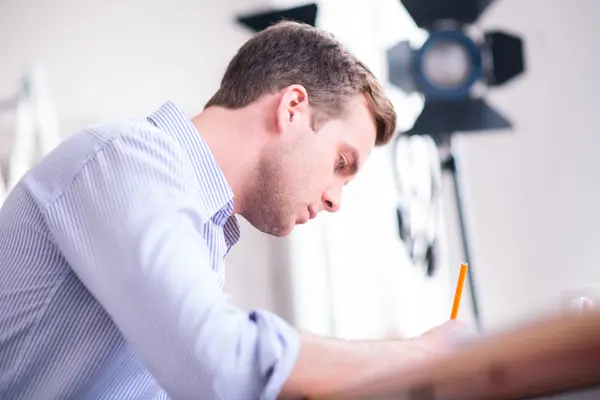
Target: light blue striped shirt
<point>111,254</point>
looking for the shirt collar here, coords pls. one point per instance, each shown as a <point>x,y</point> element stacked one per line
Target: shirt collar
<point>216,194</point>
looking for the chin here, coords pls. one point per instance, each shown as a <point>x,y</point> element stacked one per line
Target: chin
<point>284,232</point>
<point>272,227</point>
<point>279,231</point>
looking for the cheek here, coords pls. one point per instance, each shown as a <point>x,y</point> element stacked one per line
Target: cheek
<point>323,173</point>
<point>315,168</point>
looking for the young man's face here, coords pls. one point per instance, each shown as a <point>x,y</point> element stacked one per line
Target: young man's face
<point>306,170</point>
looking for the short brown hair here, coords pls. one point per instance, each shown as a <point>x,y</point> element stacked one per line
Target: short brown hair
<point>289,53</point>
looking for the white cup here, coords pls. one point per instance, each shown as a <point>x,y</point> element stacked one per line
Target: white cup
<point>580,300</point>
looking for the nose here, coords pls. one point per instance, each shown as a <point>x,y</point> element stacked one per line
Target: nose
<point>331,199</point>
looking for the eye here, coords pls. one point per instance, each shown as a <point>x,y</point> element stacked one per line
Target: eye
<point>342,163</point>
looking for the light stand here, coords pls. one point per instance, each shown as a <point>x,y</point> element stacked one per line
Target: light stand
<point>449,165</point>
<point>446,71</point>
<point>36,127</point>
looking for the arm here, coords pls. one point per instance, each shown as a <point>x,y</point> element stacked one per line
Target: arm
<point>328,366</point>
<point>130,227</point>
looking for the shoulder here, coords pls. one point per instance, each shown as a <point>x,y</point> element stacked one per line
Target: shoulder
<point>119,149</point>
<point>123,132</point>
<point>134,138</point>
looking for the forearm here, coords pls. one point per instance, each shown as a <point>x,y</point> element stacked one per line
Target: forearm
<point>325,366</point>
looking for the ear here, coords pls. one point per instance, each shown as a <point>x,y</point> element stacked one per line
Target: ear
<point>293,106</point>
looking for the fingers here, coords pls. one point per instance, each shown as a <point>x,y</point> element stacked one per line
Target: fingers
<point>450,336</point>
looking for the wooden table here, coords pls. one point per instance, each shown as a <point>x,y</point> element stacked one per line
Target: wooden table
<point>545,357</point>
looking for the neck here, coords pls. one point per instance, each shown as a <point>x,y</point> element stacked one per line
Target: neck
<point>234,141</point>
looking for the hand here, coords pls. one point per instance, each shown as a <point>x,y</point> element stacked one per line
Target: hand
<point>445,338</point>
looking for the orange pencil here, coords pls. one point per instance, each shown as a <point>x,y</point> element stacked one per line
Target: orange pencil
<point>459,288</point>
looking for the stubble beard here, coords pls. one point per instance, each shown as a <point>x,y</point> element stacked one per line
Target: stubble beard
<point>269,206</point>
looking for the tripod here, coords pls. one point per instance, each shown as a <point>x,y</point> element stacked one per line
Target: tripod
<point>421,243</point>
<point>449,165</point>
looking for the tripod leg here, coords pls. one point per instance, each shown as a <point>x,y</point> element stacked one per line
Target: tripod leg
<point>465,243</point>
<point>449,165</point>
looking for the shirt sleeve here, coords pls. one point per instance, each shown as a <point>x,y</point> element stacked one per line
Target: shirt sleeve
<point>130,226</point>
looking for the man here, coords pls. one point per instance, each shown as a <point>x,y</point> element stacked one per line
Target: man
<point>111,247</point>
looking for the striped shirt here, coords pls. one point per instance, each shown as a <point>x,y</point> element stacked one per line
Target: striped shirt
<point>111,253</point>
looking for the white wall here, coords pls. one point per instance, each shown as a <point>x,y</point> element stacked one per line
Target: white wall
<point>534,192</point>
<point>106,60</point>
<point>113,59</point>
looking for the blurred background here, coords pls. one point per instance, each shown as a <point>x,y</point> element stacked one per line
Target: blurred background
<point>529,192</point>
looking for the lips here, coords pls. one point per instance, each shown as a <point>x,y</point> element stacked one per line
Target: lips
<point>312,213</point>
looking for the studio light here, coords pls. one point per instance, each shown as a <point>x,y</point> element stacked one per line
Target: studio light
<point>452,71</point>
<point>261,20</point>
<point>447,69</point>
